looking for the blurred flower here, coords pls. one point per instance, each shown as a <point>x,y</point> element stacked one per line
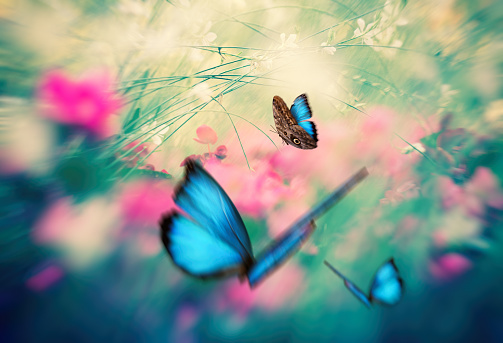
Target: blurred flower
<point>221,152</point>
<point>202,91</point>
<point>260,62</point>
<point>83,232</point>
<point>449,266</point>
<point>206,135</point>
<point>134,156</point>
<point>330,50</point>
<point>405,191</point>
<point>86,103</point>
<point>288,43</point>
<point>45,278</point>
<point>282,289</point>
<point>481,189</point>
<point>253,193</point>
<point>143,202</point>
<point>155,132</point>
<point>365,32</point>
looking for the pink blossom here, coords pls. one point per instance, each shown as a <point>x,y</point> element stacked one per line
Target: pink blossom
<point>283,288</point>
<point>45,278</point>
<point>87,102</point>
<point>449,266</point>
<point>206,135</point>
<point>253,192</point>
<point>83,232</point>
<point>221,152</point>
<point>144,201</point>
<point>280,219</point>
<point>483,188</point>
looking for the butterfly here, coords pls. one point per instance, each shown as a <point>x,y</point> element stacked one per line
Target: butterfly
<point>292,125</point>
<point>387,286</point>
<point>210,238</point>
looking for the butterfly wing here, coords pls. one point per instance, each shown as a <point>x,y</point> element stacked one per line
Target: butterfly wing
<point>213,216</point>
<point>195,250</point>
<point>387,286</point>
<point>301,112</point>
<point>300,108</point>
<point>357,292</point>
<point>278,252</point>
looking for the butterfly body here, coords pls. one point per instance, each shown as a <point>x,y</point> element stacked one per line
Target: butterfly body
<point>292,124</point>
<point>210,239</point>
<point>386,289</point>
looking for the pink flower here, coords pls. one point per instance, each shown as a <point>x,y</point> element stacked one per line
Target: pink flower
<point>45,278</point>
<point>143,202</point>
<point>87,102</point>
<point>449,266</point>
<point>206,135</point>
<point>221,152</point>
<point>253,193</point>
<point>283,288</point>
<point>483,188</point>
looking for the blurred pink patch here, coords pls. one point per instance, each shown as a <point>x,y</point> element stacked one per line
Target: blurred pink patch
<point>206,135</point>
<point>186,317</point>
<point>253,193</point>
<point>144,201</point>
<point>282,289</point>
<point>87,102</point>
<point>280,219</point>
<point>449,266</point>
<point>407,190</point>
<point>483,188</point>
<point>45,278</point>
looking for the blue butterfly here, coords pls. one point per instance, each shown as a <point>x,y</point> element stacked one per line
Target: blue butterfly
<point>386,289</point>
<point>293,125</point>
<point>211,239</point>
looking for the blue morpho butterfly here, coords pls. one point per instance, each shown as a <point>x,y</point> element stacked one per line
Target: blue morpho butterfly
<point>292,124</point>
<point>212,241</point>
<point>386,288</point>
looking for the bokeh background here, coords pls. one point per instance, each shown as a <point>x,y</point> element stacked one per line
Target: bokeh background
<point>101,102</point>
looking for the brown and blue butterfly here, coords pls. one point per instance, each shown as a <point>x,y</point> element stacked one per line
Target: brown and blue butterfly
<point>292,124</point>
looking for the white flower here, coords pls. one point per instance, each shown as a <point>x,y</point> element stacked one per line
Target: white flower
<point>202,91</point>
<point>204,37</point>
<point>288,43</point>
<point>159,132</point>
<point>329,49</point>
<point>260,62</point>
<point>365,32</point>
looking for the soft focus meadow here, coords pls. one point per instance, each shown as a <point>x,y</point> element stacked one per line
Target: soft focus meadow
<point>102,102</point>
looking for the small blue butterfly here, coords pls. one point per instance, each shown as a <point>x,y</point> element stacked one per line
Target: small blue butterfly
<point>293,125</point>
<point>211,239</point>
<point>386,289</point>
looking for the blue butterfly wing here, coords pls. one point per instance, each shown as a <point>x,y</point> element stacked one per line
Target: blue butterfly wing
<point>310,128</point>
<point>357,292</point>
<point>301,112</point>
<point>387,286</point>
<point>214,241</point>
<point>195,250</point>
<point>300,108</point>
<point>278,252</point>
<point>202,198</point>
